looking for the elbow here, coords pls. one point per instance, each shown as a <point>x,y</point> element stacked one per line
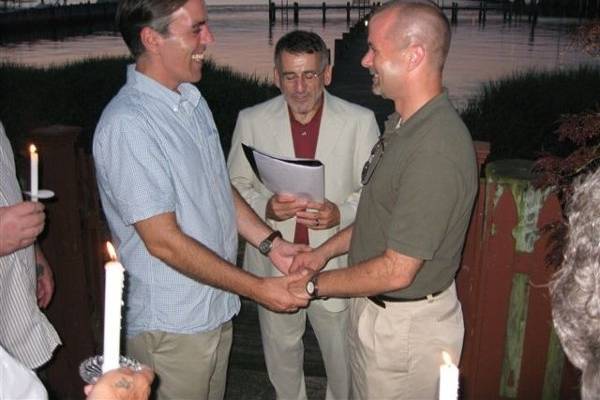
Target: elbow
<point>401,269</point>
<point>399,280</point>
<point>159,249</point>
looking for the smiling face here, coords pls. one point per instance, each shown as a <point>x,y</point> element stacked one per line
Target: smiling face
<point>385,60</point>
<point>301,79</point>
<point>178,55</point>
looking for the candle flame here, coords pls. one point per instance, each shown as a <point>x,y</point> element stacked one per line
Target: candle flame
<point>111,251</point>
<point>447,358</point>
<point>32,149</point>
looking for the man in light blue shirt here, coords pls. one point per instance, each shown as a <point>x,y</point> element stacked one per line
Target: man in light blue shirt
<point>171,209</point>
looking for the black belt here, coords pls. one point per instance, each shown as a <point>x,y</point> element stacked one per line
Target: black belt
<point>381,299</point>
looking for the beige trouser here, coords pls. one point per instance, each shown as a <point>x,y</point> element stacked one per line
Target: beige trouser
<point>188,367</point>
<point>284,351</point>
<point>396,351</point>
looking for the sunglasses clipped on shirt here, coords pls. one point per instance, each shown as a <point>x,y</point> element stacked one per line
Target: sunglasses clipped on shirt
<point>371,164</point>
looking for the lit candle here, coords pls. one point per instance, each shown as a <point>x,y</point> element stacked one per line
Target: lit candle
<point>448,379</point>
<point>33,172</point>
<point>113,300</point>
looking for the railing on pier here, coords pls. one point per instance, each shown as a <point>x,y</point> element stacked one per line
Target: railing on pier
<point>361,6</point>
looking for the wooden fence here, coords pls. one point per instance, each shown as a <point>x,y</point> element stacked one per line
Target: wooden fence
<point>510,349</point>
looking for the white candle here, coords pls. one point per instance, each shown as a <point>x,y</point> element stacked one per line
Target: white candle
<point>34,163</point>
<point>448,379</point>
<point>113,300</point>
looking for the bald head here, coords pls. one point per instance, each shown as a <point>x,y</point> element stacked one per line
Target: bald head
<point>418,22</point>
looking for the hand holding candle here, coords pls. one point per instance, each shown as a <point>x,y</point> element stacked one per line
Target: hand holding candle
<point>113,294</point>
<point>34,164</point>
<point>448,379</point>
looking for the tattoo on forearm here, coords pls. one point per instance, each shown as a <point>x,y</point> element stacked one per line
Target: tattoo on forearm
<point>123,384</point>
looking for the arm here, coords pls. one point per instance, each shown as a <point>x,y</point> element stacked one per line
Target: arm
<point>20,224</point>
<point>241,174</point>
<point>45,279</point>
<point>165,240</point>
<point>266,205</point>
<point>385,273</point>
<point>366,138</point>
<point>330,214</point>
<point>315,260</point>
<point>254,230</point>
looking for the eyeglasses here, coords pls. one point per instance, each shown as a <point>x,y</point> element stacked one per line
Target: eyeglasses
<point>306,75</point>
<point>374,158</point>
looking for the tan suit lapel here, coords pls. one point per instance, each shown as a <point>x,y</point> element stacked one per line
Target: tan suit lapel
<point>332,126</point>
<point>280,130</point>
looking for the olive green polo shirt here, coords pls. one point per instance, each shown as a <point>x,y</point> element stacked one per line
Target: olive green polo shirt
<point>419,199</point>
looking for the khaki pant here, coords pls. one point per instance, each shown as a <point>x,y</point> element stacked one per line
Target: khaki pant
<point>396,352</point>
<point>284,351</point>
<point>188,367</point>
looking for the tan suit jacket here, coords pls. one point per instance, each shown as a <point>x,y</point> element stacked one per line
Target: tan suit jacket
<point>346,136</point>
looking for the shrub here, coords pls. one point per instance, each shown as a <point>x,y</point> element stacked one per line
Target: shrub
<point>520,114</point>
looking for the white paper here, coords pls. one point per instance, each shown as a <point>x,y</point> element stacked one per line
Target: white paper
<point>301,177</point>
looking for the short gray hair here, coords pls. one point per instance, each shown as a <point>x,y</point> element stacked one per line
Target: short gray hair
<point>575,288</point>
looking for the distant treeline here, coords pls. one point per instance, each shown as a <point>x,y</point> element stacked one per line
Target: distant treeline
<point>76,94</point>
<point>518,115</point>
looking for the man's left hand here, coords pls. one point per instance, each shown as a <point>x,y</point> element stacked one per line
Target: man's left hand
<point>321,215</point>
<point>283,252</point>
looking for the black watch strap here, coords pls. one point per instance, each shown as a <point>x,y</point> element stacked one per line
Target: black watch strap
<point>266,245</point>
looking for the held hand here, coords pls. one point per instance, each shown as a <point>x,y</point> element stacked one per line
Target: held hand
<point>283,253</point>
<point>20,224</point>
<point>122,384</point>
<point>275,294</point>
<point>281,207</point>
<point>45,285</point>
<point>313,261</point>
<point>298,287</point>
<point>322,215</point>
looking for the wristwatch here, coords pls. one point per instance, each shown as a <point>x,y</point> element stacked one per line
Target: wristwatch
<point>312,287</point>
<point>266,245</point>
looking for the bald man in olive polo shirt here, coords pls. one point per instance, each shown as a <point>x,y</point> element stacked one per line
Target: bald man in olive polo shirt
<point>406,242</point>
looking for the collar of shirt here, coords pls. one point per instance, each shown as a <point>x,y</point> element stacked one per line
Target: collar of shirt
<point>395,123</point>
<point>188,93</point>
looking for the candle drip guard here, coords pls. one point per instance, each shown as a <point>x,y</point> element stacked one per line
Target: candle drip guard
<point>90,369</point>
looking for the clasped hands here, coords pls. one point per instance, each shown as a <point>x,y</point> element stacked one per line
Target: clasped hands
<point>317,216</point>
<point>297,262</point>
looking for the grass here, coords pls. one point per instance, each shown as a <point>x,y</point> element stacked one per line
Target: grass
<point>76,94</point>
<point>519,114</point>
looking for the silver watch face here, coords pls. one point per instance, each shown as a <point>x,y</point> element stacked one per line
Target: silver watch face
<point>310,288</point>
<point>265,246</point>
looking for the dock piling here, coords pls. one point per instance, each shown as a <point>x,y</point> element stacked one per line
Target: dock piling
<point>348,12</point>
<point>296,13</point>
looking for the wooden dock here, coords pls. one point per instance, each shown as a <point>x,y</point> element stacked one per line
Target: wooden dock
<point>363,8</point>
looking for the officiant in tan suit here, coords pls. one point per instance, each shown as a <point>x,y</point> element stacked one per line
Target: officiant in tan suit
<point>304,121</point>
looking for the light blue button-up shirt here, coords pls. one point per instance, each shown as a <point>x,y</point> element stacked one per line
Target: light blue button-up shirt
<point>158,151</point>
